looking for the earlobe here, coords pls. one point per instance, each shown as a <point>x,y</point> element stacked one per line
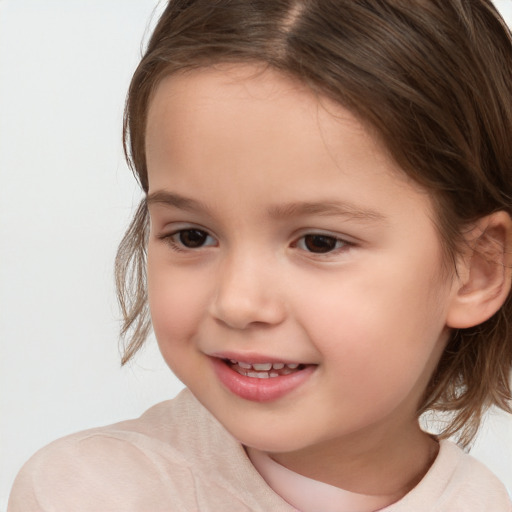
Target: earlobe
<point>484,272</point>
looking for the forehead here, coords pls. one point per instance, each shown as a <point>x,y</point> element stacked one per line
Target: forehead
<point>257,96</point>
<point>227,87</point>
<point>248,121</point>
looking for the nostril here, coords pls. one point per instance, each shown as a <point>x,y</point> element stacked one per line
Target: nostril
<point>245,296</point>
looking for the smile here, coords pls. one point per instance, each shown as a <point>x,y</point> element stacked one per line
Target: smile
<point>261,381</point>
<point>264,370</point>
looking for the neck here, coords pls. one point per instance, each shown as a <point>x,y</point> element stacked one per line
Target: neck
<point>374,465</point>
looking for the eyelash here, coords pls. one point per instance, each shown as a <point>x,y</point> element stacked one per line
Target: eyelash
<point>173,239</point>
<point>331,243</point>
<point>338,244</point>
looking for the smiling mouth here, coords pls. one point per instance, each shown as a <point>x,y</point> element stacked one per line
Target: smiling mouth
<point>264,370</point>
<point>259,380</point>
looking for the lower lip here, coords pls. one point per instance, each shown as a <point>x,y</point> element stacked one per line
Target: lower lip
<point>259,390</point>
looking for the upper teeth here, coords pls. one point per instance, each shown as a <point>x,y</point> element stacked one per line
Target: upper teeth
<point>265,367</point>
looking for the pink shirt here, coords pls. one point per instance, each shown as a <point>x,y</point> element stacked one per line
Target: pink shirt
<point>308,495</point>
<point>177,458</point>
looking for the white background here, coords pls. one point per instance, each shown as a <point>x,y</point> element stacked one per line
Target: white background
<point>66,196</point>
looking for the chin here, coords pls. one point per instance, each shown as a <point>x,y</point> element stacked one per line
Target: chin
<point>274,439</point>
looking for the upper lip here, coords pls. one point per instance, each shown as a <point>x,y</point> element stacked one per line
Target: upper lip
<point>253,357</point>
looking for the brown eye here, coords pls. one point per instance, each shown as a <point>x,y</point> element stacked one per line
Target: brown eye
<point>192,238</point>
<point>321,243</point>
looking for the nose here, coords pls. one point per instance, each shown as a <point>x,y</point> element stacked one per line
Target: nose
<point>248,294</point>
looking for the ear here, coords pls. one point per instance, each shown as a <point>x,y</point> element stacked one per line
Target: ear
<point>483,278</point>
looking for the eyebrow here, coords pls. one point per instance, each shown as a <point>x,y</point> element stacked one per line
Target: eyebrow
<point>281,211</point>
<point>325,208</point>
<point>176,201</point>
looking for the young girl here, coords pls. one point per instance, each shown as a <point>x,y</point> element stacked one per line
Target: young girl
<point>324,250</point>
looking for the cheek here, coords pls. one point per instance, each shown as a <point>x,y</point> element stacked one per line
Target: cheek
<point>175,302</point>
<point>381,330</point>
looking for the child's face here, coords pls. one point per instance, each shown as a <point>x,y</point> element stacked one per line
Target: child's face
<point>281,232</point>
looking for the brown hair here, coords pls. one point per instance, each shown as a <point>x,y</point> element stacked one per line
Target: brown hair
<point>433,77</point>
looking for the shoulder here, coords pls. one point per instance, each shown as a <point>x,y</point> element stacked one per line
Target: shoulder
<point>132,465</point>
<point>175,457</point>
<point>456,482</point>
<point>473,483</point>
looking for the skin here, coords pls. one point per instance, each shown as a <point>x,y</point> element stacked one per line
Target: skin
<point>371,314</point>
